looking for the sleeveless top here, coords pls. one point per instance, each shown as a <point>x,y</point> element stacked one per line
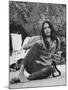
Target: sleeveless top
<point>45,55</point>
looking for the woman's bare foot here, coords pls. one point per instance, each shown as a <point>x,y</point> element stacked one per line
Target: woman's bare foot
<point>22,76</point>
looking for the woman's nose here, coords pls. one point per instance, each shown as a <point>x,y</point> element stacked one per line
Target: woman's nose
<point>48,30</point>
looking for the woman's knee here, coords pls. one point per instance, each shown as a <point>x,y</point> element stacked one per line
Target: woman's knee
<point>36,46</point>
<point>48,70</point>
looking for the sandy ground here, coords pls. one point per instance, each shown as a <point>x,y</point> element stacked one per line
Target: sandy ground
<point>61,80</point>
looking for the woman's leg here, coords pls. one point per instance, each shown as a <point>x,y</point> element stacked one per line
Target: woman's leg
<point>43,73</point>
<point>32,55</point>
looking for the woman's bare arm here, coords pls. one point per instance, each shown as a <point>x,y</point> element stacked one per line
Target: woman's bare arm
<point>29,42</point>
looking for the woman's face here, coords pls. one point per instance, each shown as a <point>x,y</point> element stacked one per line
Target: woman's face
<point>47,30</point>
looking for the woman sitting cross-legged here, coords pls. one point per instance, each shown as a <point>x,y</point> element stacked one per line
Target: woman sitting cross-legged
<point>38,62</point>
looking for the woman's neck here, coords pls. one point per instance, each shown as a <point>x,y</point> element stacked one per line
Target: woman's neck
<point>48,39</point>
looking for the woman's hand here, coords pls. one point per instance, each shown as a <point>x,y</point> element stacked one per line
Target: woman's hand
<point>57,56</point>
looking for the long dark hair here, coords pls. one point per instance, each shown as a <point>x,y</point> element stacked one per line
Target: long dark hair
<point>53,35</point>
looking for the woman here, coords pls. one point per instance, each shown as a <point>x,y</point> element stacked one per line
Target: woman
<point>38,60</point>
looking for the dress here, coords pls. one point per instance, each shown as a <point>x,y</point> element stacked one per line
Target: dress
<point>38,61</point>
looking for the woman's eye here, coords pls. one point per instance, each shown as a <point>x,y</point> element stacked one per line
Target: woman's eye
<point>46,27</point>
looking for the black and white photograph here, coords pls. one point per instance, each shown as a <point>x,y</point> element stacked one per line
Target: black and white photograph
<point>37,44</point>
